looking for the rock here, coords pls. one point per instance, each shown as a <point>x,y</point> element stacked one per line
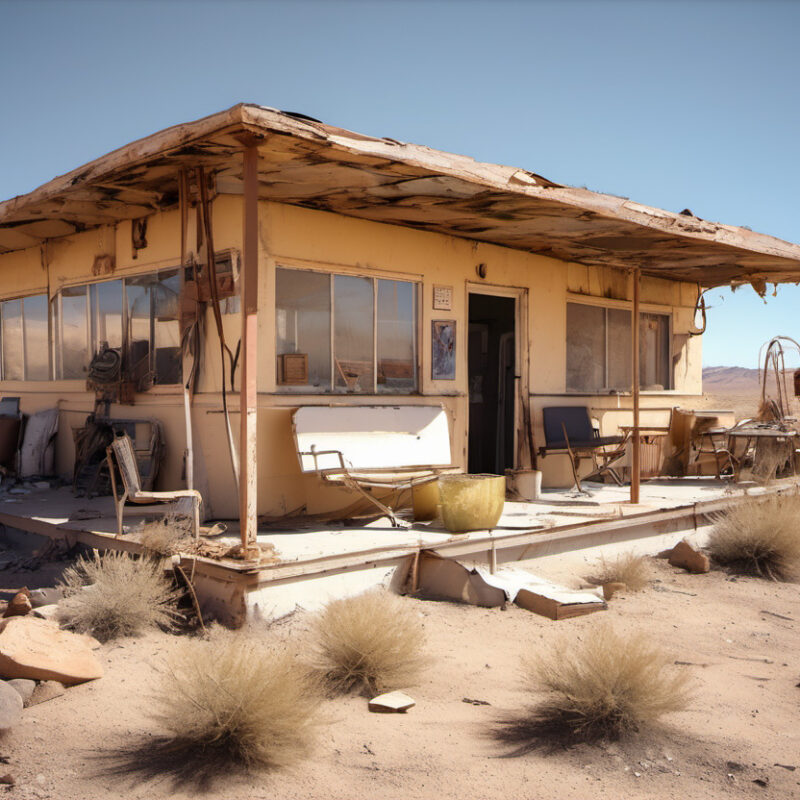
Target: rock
<point>44,691</point>
<point>7,779</point>
<point>46,612</point>
<point>10,706</point>
<point>25,688</point>
<point>41,484</point>
<point>612,587</point>
<point>684,555</point>
<point>20,604</point>
<point>36,648</point>
<point>391,702</point>
<point>45,597</point>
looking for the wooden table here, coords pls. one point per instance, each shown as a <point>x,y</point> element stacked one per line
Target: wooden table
<point>759,438</point>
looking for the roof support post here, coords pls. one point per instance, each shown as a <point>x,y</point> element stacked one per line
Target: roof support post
<point>248,391</point>
<point>635,461</point>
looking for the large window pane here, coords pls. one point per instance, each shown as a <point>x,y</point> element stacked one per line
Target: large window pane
<point>654,356</point>
<point>37,338</point>
<point>107,313</point>
<point>72,333</point>
<point>167,334</point>
<point>303,323</point>
<point>137,296</point>
<point>586,362</point>
<point>619,349</point>
<point>353,333</point>
<point>397,358</point>
<point>11,313</point>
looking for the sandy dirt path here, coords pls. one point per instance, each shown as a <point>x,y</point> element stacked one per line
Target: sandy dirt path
<point>742,723</point>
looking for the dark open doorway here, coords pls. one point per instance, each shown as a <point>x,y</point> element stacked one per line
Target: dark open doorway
<point>492,386</point>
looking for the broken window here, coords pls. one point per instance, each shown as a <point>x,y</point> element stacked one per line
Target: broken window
<point>599,349</point>
<point>333,330</point>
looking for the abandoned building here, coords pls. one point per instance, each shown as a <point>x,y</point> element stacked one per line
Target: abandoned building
<point>199,287</point>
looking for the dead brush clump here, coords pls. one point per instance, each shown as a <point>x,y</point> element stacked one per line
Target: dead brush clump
<point>163,536</point>
<point>628,568</point>
<point>236,698</point>
<point>114,594</point>
<point>601,688</point>
<point>759,537</point>
<point>372,642</point>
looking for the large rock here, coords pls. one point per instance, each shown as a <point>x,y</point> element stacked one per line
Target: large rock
<point>20,604</point>
<point>35,648</point>
<point>10,706</point>
<point>44,691</point>
<point>684,555</point>
<point>25,688</point>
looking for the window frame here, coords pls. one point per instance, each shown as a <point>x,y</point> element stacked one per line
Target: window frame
<point>623,305</point>
<point>345,271</point>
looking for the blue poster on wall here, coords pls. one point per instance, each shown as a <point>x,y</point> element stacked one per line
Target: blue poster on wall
<point>443,350</point>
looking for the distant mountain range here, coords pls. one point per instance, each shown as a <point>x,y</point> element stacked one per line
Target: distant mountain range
<point>740,380</point>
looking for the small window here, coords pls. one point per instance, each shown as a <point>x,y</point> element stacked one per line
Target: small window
<point>599,349</point>
<point>340,328</point>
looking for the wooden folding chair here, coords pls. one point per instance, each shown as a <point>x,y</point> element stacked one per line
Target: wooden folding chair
<point>121,451</point>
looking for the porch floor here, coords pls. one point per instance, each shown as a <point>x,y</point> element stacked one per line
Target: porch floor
<point>56,513</point>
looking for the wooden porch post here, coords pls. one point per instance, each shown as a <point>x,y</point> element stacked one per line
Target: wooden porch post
<point>635,465</point>
<point>248,282</point>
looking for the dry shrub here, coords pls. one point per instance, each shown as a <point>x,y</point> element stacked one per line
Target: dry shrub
<point>162,536</point>
<point>236,698</point>
<point>602,687</point>
<point>114,594</point>
<point>372,642</point>
<point>759,537</point>
<point>627,568</point>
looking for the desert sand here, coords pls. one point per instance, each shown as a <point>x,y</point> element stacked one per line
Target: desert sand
<point>738,635</point>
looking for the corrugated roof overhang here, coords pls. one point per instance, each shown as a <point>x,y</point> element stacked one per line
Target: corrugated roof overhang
<point>307,163</point>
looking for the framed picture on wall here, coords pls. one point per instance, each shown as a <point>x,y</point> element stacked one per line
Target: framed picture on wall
<point>443,350</point>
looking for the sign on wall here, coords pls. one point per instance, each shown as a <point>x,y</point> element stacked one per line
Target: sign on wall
<point>443,298</point>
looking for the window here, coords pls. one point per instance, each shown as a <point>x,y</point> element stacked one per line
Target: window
<point>25,339</point>
<point>356,334</point>
<point>599,349</point>
<point>139,314</point>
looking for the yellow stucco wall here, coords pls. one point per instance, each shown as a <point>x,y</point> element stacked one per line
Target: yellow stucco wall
<point>304,238</point>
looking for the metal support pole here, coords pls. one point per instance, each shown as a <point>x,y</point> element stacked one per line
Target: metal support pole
<point>248,283</point>
<point>635,465</point>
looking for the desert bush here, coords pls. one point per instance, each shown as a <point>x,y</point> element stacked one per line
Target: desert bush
<point>163,536</point>
<point>759,537</point>
<point>627,568</point>
<point>601,687</point>
<point>372,642</point>
<point>237,698</point>
<point>114,594</point>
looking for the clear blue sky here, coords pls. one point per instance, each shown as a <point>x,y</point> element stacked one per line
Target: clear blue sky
<point>673,104</point>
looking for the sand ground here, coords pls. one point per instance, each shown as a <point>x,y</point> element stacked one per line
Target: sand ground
<point>745,662</point>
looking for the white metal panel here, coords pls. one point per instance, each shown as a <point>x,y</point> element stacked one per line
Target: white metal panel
<point>372,437</point>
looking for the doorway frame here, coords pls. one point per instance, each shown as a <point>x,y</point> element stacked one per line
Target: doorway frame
<point>521,354</point>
